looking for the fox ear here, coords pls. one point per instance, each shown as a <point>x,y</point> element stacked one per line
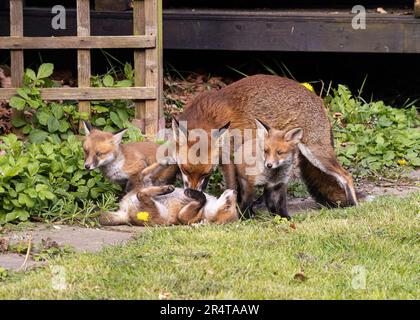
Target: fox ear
<point>294,135</point>
<point>88,127</point>
<point>178,129</point>
<point>261,125</point>
<point>119,135</point>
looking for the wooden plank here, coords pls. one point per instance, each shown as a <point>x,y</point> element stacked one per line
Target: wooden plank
<point>83,55</point>
<point>16,30</point>
<point>139,28</point>
<point>249,30</point>
<point>16,56</point>
<point>132,93</point>
<point>153,107</point>
<point>90,42</point>
<point>417,8</point>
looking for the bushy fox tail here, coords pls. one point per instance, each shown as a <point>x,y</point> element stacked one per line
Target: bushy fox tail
<point>326,180</point>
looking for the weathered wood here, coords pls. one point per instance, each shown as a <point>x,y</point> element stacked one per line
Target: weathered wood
<point>16,56</point>
<point>90,42</point>
<point>16,30</point>
<point>417,8</point>
<point>132,93</point>
<point>83,56</point>
<point>153,107</point>
<point>139,28</point>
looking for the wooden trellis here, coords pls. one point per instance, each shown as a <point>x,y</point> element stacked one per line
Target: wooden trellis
<point>146,42</point>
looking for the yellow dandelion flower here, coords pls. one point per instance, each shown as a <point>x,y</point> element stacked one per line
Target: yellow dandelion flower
<point>143,216</point>
<point>308,86</point>
<point>402,162</point>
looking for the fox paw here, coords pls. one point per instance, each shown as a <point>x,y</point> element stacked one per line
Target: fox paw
<point>167,189</point>
<point>195,194</point>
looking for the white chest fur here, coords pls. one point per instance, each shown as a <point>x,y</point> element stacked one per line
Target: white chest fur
<point>270,178</point>
<point>114,170</point>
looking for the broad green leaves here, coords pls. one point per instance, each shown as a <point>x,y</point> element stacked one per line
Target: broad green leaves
<point>35,177</point>
<point>372,137</point>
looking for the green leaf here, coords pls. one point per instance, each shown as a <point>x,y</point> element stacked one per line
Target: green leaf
<point>38,136</point>
<point>53,124</point>
<point>57,110</point>
<point>18,122</point>
<point>108,81</point>
<point>23,93</point>
<point>26,200</point>
<point>124,83</point>
<point>43,117</point>
<point>100,122</point>
<point>45,70</point>
<point>31,74</point>
<point>64,126</point>
<point>17,103</point>
<point>116,120</point>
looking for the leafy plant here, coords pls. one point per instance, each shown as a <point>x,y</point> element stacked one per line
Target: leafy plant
<point>40,119</point>
<point>34,178</point>
<point>372,137</point>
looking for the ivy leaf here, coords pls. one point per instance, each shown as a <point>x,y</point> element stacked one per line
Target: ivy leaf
<point>45,70</point>
<point>108,81</point>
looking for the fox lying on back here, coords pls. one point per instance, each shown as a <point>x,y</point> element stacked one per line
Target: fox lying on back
<point>167,205</point>
<point>121,163</point>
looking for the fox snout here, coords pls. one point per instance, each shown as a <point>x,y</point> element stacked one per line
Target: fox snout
<point>89,166</point>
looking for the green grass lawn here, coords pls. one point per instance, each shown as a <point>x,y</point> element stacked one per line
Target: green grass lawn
<point>251,260</point>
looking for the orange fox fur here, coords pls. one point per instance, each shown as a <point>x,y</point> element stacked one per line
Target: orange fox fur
<point>282,104</point>
<point>121,163</point>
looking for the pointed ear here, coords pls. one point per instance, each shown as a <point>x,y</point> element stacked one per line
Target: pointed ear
<point>88,127</point>
<point>261,125</point>
<point>119,135</point>
<point>294,135</point>
<point>218,134</point>
<point>178,129</point>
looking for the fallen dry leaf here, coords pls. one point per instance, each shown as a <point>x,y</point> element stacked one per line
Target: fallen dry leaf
<point>300,276</point>
<point>164,296</point>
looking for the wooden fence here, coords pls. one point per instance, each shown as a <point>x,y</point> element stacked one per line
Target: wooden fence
<point>146,42</point>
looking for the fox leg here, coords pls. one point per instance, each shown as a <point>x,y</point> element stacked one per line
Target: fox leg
<point>229,175</point>
<point>121,216</point>
<point>246,197</point>
<point>154,173</point>
<point>192,213</point>
<point>145,195</point>
<point>326,180</point>
<point>276,200</point>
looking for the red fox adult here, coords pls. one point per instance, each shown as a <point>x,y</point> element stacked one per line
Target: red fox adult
<point>282,104</point>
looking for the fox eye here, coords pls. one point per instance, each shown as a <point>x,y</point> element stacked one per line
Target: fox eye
<point>265,150</point>
<point>279,152</point>
<point>98,154</point>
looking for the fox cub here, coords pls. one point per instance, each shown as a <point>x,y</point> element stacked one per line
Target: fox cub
<point>167,205</point>
<point>279,151</point>
<point>121,163</point>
